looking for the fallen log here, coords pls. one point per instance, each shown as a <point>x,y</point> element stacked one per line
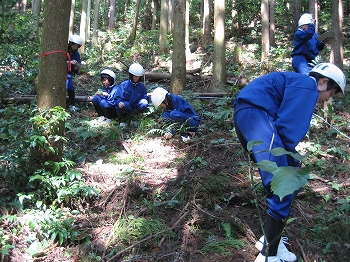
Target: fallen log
<point>30,98</point>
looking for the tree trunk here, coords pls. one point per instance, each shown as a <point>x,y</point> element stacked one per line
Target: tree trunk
<point>36,6</point>
<point>337,51</point>
<point>265,34</point>
<point>178,78</point>
<point>272,23</point>
<point>154,14</point>
<point>219,59</point>
<point>83,25</point>
<point>71,18</point>
<point>296,13</point>
<point>134,28</point>
<point>163,27</point>
<point>53,63</point>
<point>111,16</point>
<point>187,30</point>
<point>206,38</point>
<point>96,18</point>
<point>171,15</point>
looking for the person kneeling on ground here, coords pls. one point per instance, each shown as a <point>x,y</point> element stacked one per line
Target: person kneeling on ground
<point>132,94</point>
<point>104,99</point>
<point>277,109</point>
<point>176,110</point>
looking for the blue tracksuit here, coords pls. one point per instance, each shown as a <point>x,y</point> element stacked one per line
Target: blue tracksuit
<point>179,110</point>
<point>276,109</point>
<point>306,48</point>
<point>133,95</point>
<point>104,105</point>
<point>74,70</point>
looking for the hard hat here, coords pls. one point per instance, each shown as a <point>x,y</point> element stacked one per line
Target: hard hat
<point>136,69</point>
<point>331,71</point>
<point>158,96</point>
<point>305,19</point>
<point>108,72</point>
<point>76,39</point>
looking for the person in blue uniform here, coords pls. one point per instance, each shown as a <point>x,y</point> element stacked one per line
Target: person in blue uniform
<point>277,109</point>
<point>75,42</point>
<point>132,93</point>
<point>306,45</point>
<point>104,99</point>
<point>176,109</point>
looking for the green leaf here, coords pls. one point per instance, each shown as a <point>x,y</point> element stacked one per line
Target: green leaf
<point>267,166</point>
<point>252,143</point>
<point>34,248</point>
<point>287,179</point>
<point>279,151</point>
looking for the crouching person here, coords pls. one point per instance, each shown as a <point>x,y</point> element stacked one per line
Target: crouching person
<point>132,94</point>
<point>176,110</point>
<point>104,99</point>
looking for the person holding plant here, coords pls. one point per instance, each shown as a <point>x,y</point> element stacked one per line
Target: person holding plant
<point>75,42</point>
<point>132,93</point>
<point>276,109</point>
<point>104,99</point>
<point>306,45</point>
<point>176,110</point>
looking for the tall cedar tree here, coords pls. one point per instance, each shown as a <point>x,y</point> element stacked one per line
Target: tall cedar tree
<point>53,63</point>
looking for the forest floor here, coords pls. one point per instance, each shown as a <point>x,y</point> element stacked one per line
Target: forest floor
<point>196,190</point>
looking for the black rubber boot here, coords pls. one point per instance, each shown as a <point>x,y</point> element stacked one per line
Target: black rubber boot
<point>108,113</point>
<point>273,231</point>
<point>71,97</point>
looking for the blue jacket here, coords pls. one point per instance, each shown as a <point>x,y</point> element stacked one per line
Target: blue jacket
<point>288,97</point>
<point>74,56</point>
<point>180,104</point>
<point>306,43</point>
<point>112,91</point>
<point>130,94</point>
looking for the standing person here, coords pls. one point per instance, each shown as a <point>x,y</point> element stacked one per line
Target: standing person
<point>306,45</point>
<point>176,110</point>
<point>277,109</point>
<point>75,42</point>
<point>104,99</point>
<point>132,93</point>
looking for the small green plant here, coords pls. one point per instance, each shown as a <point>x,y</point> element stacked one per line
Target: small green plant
<point>53,225</point>
<point>5,239</point>
<point>222,247</point>
<point>127,230</point>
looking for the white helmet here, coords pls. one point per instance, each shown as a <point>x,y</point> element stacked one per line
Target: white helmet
<point>76,39</point>
<point>331,71</point>
<point>108,72</point>
<point>158,96</point>
<point>305,19</point>
<point>136,69</point>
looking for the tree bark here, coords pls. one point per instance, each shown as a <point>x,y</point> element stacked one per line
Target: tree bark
<point>96,18</point>
<point>83,25</point>
<point>53,63</point>
<point>265,34</point>
<point>219,59</point>
<point>178,79</point>
<point>337,51</point>
<point>163,27</point>
<point>272,23</point>
<point>71,18</point>
<point>206,38</point>
<point>134,27</point>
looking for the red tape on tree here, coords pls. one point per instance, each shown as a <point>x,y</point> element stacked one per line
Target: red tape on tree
<point>59,51</point>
